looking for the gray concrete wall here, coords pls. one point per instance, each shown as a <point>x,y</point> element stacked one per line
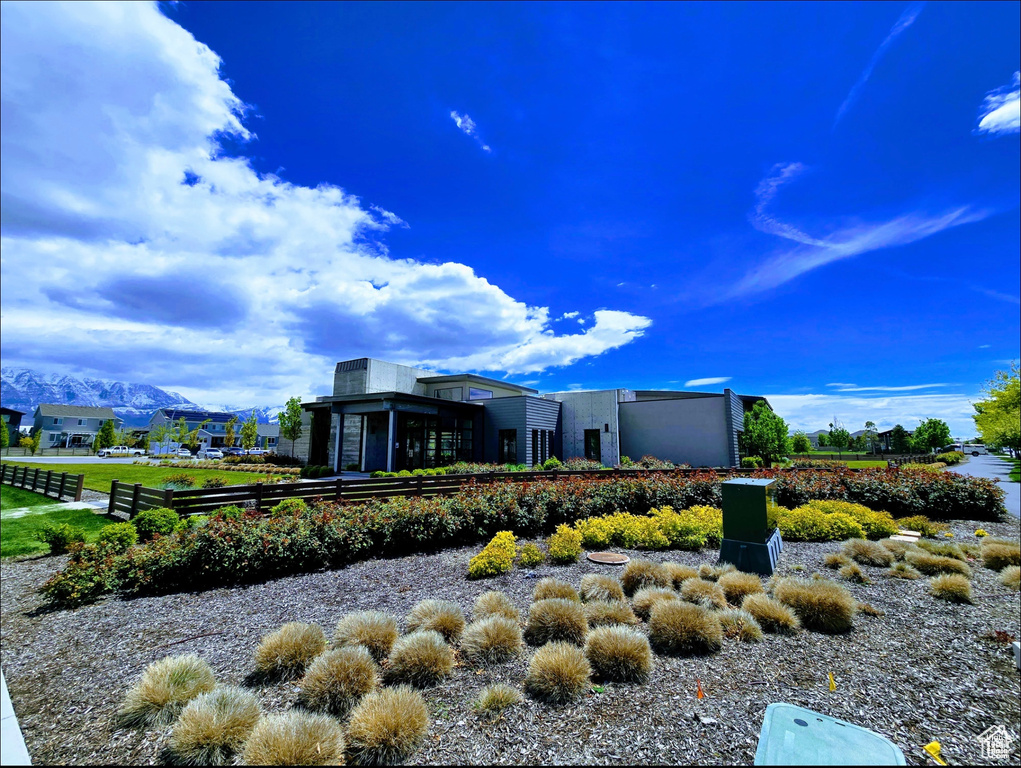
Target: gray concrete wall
<point>590,410</point>
<point>390,377</point>
<point>301,445</point>
<point>685,431</point>
<point>351,442</point>
<point>465,385</point>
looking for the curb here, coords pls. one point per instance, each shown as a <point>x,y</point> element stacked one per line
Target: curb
<point>12,743</point>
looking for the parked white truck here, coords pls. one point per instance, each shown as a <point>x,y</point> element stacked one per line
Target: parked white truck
<point>120,450</point>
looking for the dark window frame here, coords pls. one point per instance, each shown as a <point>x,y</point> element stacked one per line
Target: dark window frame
<point>589,434</point>
<point>507,446</point>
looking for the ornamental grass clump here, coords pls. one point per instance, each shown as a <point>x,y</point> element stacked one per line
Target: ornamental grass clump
<point>213,726</point>
<point>852,572</point>
<point>602,613</point>
<point>867,552</point>
<point>548,589</point>
<point>934,565</point>
<point>285,653</point>
<point>374,630</point>
<point>337,679</point>
<point>708,594</point>
<point>495,558</point>
<point>679,573</point>
<point>737,584</point>
<point>619,654</point>
<point>643,573</point>
<point>773,616</point>
<point>493,640</point>
<point>1010,577</point>
<point>898,549</point>
<point>441,616</point>
<point>596,587</point>
<point>952,587</point>
<point>295,738</point>
<point>943,549</point>
<point>677,628</point>
<point>647,597</point>
<point>495,699</point>
<point>708,572</point>
<point>420,659</point>
<point>739,623</point>
<point>558,673</point>
<point>903,570</point>
<point>163,689</point>
<point>997,554</point>
<point>820,604</point>
<point>836,560</point>
<point>556,619</point>
<point>494,603</point>
<point>387,726</point>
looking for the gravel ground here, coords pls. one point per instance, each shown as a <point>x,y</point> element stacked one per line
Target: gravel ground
<point>926,670</point>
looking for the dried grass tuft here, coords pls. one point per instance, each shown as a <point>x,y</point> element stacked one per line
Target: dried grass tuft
<point>556,620</point>
<point>619,654</point>
<point>295,738</point>
<point>643,573</point>
<point>773,616</point>
<point>647,597</point>
<point>821,604</point>
<point>496,698</point>
<point>440,616</point>
<point>420,659</point>
<point>867,609</point>
<point>337,679</point>
<point>680,573</point>
<point>213,726</point>
<point>898,548</point>
<point>708,594</point>
<point>713,572</point>
<point>558,673</point>
<point>943,549</point>
<point>998,554</point>
<point>387,726</point>
<point>493,640</point>
<point>737,584</point>
<point>867,552</point>
<point>600,613</point>
<point>952,587</point>
<point>595,587</point>
<point>1010,577</point>
<point>375,630</point>
<point>903,570</point>
<point>933,565</point>
<point>851,572</point>
<point>163,689</point>
<point>836,560</point>
<point>286,652</point>
<point>552,589</point>
<point>739,623</point>
<point>681,629</point>
<point>494,604</point>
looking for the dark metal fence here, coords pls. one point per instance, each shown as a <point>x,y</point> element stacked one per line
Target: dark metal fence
<point>44,481</point>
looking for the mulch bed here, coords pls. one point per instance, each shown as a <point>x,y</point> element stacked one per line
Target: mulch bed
<point>926,670</point>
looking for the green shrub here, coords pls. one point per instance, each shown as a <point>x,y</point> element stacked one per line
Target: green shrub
<point>214,482</point>
<point>287,651</point>
<point>552,463</point>
<point>492,640</point>
<point>119,536</point>
<point>549,588</point>
<point>289,507</point>
<point>61,537</point>
<point>950,457</point>
<point>295,738</point>
<point>619,654</point>
<point>213,726</point>
<point>556,619</point>
<point>564,546</point>
<point>387,727</point>
<point>91,571</point>
<point>162,691</point>
<point>374,630</point>
<point>494,604</point>
<point>874,524</point>
<point>558,673</point>
<point>680,629</point>
<point>336,680</point>
<point>531,556</point>
<point>404,473</point>
<point>496,557</point>
<point>952,587</point>
<point>420,659</point>
<point>230,512</point>
<point>923,525</point>
<point>155,522</point>
<point>179,480</point>
<point>820,604</point>
<point>811,523</point>
<point>441,616</point>
<point>752,462</point>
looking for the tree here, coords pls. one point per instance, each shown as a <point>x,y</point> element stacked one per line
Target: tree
<point>998,419</point>
<point>900,440</point>
<point>5,435</point>
<point>800,443</point>
<point>124,437</point>
<point>871,436</point>
<point>823,440</point>
<point>858,444</point>
<point>931,433</point>
<point>30,443</point>
<point>250,432</point>
<point>107,436</point>
<point>160,434</point>
<point>230,436</point>
<point>839,437</point>
<point>290,421</point>
<point>765,434</point>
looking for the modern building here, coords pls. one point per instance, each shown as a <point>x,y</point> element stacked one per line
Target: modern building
<point>12,421</point>
<point>384,416</point>
<point>64,426</point>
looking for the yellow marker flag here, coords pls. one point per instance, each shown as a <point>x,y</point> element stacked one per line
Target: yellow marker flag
<point>833,683</point>
<point>933,749</point>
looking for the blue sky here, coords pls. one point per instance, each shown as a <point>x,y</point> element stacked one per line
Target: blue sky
<point>815,202</point>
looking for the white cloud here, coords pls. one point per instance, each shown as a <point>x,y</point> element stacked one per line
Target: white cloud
<point>984,346</point>
<point>170,263</point>
<point>469,128</point>
<point>568,316</point>
<point>707,381</point>
<point>814,411</point>
<point>1001,109</point>
<point>907,18</point>
<point>856,388</point>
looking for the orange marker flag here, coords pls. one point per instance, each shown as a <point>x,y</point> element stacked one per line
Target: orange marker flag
<point>700,694</point>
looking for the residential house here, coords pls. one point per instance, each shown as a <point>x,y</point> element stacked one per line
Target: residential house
<point>211,425</point>
<point>12,420</point>
<point>63,426</point>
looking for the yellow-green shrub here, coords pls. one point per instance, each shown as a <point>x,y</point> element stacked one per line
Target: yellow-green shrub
<point>934,467</point>
<point>531,556</point>
<point>922,525</point>
<point>497,557</point>
<point>809,523</point>
<point>691,528</point>
<point>876,525</point>
<point>564,546</point>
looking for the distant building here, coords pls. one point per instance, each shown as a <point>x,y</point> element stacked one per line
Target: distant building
<point>211,425</point>
<point>64,426</point>
<point>12,420</point>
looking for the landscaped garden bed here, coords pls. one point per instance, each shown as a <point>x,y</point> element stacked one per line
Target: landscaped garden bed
<point>924,670</point>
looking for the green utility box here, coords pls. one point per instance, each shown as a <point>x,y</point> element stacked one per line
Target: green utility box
<point>751,540</point>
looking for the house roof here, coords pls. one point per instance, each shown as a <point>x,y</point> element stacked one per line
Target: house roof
<point>474,377</point>
<point>216,417</point>
<point>11,412</point>
<point>76,411</point>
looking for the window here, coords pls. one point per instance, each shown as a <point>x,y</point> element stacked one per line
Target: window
<point>508,446</point>
<point>81,422</point>
<point>451,393</point>
<point>549,442</point>
<point>54,437</point>
<point>535,448</point>
<point>592,451</point>
<point>479,394</point>
<point>57,421</point>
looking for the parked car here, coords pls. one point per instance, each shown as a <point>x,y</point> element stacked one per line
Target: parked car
<point>256,452</point>
<point>212,453</point>
<point>184,453</point>
<point>949,448</point>
<point>120,450</point>
<point>975,449</point>
<point>235,451</point>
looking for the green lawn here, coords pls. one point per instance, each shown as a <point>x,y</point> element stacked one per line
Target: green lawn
<point>12,498</point>
<point>1015,468</point>
<point>18,535</point>
<point>98,476</point>
<point>866,463</point>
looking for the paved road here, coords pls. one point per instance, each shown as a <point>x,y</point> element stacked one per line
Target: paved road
<point>68,460</point>
<point>994,468</point>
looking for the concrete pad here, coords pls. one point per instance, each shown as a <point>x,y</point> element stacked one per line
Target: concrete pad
<point>12,743</point>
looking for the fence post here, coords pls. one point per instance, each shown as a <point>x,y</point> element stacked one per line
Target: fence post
<point>418,485</point>
<point>258,497</point>
<point>168,498</point>
<point>134,500</point>
<point>78,489</point>
<point>339,496</point>
<point>63,484</point>
<point>113,496</point>
<point>35,479</point>
<point>555,475</point>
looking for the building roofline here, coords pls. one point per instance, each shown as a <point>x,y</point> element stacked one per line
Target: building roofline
<point>439,379</point>
<point>328,400</point>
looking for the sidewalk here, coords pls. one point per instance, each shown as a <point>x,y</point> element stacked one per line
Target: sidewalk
<point>44,508</point>
<point>12,743</point>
